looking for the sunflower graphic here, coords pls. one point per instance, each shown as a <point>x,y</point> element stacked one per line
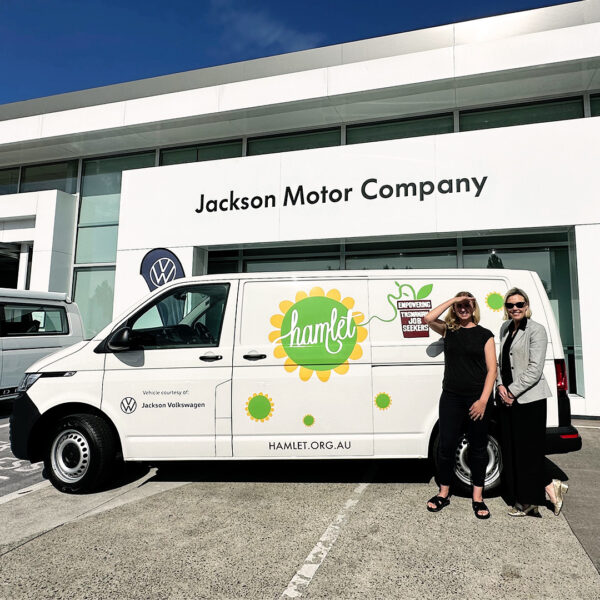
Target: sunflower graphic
<point>318,333</point>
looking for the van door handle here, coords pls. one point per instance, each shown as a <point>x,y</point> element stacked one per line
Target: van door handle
<point>254,356</point>
<point>211,357</point>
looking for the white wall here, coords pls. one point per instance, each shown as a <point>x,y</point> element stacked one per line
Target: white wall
<point>48,221</point>
<point>587,239</point>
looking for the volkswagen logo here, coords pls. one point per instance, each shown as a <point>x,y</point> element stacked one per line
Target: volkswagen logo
<point>163,271</point>
<point>128,405</point>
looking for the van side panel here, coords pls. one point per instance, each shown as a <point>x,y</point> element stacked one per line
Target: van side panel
<point>302,369</point>
<point>408,358</point>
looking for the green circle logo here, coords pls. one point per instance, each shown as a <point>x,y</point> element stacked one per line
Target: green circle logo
<point>308,420</point>
<point>318,333</point>
<point>383,401</point>
<point>259,407</point>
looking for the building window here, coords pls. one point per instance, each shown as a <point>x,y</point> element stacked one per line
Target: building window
<point>391,130</point>
<point>595,105</point>
<point>94,291</point>
<point>521,114</point>
<point>294,141</point>
<point>57,176</point>
<point>177,156</point>
<point>408,260</point>
<point>9,181</point>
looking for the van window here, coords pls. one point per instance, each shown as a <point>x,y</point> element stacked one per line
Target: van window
<point>29,319</point>
<point>186,317</point>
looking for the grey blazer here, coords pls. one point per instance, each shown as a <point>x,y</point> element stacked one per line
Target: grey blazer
<point>527,356</point>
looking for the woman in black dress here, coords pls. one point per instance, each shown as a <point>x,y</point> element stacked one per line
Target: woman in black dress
<point>522,391</point>
<point>469,375</point>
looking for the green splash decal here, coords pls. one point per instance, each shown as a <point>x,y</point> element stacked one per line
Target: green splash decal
<point>308,420</point>
<point>392,299</point>
<point>494,301</point>
<point>383,401</point>
<point>259,407</point>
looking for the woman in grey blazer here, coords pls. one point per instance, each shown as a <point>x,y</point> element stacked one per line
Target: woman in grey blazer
<point>522,392</point>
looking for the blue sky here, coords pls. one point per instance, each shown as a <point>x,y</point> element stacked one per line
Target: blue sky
<point>54,46</point>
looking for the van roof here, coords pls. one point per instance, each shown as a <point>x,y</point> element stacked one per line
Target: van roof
<point>364,273</point>
<point>33,295</point>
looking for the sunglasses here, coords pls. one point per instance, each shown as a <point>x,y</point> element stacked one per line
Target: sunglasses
<point>510,305</point>
<point>466,305</point>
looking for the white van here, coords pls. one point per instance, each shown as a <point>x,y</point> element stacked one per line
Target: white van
<point>302,365</point>
<point>33,325</point>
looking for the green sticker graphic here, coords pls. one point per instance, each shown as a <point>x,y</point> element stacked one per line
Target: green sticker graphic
<point>259,407</point>
<point>308,420</point>
<point>494,301</point>
<point>383,401</point>
<point>318,333</point>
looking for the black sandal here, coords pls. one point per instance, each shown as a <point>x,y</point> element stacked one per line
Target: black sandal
<point>439,501</point>
<point>477,506</point>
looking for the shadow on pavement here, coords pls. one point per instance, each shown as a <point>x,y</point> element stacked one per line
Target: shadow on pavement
<point>302,471</point>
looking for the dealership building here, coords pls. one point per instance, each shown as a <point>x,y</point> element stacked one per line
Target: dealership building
<point>468,145</point>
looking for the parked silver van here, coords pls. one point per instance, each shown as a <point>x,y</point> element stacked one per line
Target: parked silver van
<point>33,325</point>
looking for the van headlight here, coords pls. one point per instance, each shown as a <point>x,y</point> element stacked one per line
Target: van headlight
<point>28,381</point>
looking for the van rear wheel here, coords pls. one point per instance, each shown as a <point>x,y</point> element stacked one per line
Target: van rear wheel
<point>462,470</point>
<point>80,453</point>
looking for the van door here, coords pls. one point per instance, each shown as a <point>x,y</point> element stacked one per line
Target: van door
<point>165,393</point>
<point>302,374</point>
<point>408,358</point>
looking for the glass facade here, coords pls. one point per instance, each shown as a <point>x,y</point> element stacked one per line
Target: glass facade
<point>390,130</point>
<point>294,141</point>
<point>521,114</point>
<point>9,181</point>
<point>595,106</point>
<point>94,290</point>
<point>177,156</point>
<point>56,176</point>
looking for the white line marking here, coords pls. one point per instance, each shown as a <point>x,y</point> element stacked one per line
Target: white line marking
<point>5,425</point>
<point>3,477</point>
<point>587,427</point>
<point>301,580</point>
<point>24,492</point>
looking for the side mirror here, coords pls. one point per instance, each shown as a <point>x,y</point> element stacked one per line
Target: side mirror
<point>120,340</point>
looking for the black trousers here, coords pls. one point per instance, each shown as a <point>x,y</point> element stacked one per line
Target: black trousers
<point>523,440</point>
<point>455,420</point>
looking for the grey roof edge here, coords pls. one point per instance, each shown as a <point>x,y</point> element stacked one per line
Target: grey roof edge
<point>575,12</point>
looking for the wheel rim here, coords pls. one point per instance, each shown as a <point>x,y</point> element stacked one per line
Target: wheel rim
<point>492,469</point>
<point>70,456</point>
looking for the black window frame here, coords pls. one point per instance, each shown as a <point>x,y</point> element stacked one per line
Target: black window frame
<point>34,307</point>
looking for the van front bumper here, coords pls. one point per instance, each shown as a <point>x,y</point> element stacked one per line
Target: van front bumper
<point>560,440</point>
<point>23,418</point>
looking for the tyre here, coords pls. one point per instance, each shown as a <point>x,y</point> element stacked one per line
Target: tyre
<point>462,471</point>
<point>80,454</point>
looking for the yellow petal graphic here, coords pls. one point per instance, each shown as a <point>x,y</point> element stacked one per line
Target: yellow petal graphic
<point>305,373</point>
<point>317,291</point>
<point>334,295</point>
<point>285,306</point>
<point>274,335</point>
<point>276,320</point>
<point>358,317</point>
<point>279,352</point>
<point>356,353</point>
<point>362,334</point>
<point>323,375</point>
<point>301,296</point>
<point>290,365</point>
<point>342,369</point>
<point>348,302</point>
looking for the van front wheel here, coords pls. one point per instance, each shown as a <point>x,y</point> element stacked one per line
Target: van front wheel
<point>80,454</point>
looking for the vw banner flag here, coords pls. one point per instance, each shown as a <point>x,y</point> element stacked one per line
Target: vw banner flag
<point>160,266</point>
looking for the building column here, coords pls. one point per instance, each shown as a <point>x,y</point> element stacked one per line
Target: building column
<point>586,240</point>
<point>23,267</point>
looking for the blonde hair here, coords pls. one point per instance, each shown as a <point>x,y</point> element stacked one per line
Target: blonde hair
<point>516,292</point>
<point>451,319</point>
